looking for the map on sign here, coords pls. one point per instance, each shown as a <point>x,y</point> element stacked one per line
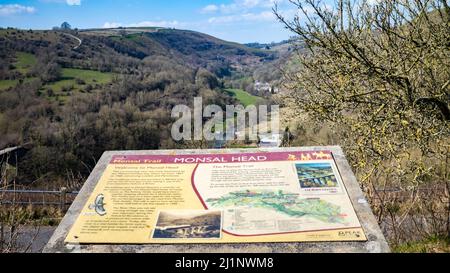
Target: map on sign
<point>283,203</point>
<point>219,198</point>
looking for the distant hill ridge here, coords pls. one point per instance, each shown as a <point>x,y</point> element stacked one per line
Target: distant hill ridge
<point>195,48</point>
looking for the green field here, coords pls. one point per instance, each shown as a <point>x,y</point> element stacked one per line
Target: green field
<point>25,61</point>
<point>23,64</point>
<point>69,78</point>
<point>243,97</point>
<point>5,84</point>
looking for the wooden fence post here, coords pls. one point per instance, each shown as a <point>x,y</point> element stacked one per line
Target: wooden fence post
<point>62,198</point>
<point>1,235</point>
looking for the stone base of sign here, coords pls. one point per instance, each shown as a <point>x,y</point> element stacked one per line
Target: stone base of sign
<point>376,242</point>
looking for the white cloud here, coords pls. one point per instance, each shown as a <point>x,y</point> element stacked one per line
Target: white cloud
<point>73,2</point>
<point>251,3</point>
<point>111,25</point>
<point>167,24</point>
<point>267,16</point>
<point>240,5</point>
<point>68,2</point>
<point>210,9</point>
<point>156,24</point>
<point>244,10</point>
<point>12,9</point>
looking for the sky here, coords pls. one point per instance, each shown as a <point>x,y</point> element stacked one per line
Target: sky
<point>240,21</point>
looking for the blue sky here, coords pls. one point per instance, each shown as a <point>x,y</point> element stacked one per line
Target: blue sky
<point>234,20</point>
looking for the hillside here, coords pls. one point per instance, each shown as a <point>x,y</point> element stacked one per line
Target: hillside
<point>194,48</point>
<point>114,91</point>
<point>33,56</point>
<point>190,48</point>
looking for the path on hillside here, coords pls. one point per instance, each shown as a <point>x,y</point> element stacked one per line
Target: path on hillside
<point>76,38</point>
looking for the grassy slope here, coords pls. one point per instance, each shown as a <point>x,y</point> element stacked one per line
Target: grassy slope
<point>69,76</point>
<point>25,61</point>
<point>243,97</point>
<point>5,84</point>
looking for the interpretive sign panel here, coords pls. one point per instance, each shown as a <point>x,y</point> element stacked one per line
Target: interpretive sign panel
<point>279,196</point>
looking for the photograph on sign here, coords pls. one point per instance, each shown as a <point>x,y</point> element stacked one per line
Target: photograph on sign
<point>203,224</point>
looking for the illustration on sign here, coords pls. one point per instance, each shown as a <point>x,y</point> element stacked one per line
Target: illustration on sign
<point>99,205</point>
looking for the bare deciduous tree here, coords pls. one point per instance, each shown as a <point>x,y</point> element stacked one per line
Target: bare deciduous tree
<point>379,71</point>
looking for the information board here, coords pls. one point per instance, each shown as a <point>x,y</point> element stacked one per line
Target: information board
<point>218,198</point>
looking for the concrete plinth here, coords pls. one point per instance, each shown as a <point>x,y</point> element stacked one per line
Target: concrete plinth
<point>375,240</point>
